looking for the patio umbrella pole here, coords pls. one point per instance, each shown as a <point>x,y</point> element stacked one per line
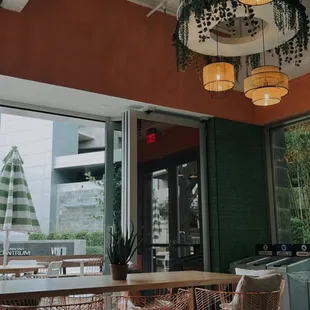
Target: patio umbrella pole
<point>6,248</point>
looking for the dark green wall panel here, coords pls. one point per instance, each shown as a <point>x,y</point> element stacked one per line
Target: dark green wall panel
<point>239,215</point>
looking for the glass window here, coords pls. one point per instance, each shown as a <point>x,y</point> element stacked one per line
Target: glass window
<point>64,165</point>
<point>291,176</point>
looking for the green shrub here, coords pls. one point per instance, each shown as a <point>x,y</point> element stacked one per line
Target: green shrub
<point>82,235</point>
<point>95,239</point>
<point>37,236</point>
<point>67,236</point>
<point>54,236</point>
<point>91,250</point>
<point>297,229</point>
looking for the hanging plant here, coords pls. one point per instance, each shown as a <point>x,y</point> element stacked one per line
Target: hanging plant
<point>288,15</point>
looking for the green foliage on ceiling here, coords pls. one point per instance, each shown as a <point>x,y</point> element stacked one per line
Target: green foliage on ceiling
<point>288,14</point>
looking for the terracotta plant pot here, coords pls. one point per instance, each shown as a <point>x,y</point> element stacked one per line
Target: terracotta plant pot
<point>119,272</point>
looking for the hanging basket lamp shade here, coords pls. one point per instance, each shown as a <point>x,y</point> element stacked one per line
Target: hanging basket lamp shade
<point>218,77</point>
<point>255,2</point>
<point>266,86</point>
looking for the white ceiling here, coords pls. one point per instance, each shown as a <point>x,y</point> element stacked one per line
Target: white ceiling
<point>291,70</point>
<point>25,94</point>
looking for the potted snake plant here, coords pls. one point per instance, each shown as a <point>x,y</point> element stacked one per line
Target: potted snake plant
<point>121,247</point>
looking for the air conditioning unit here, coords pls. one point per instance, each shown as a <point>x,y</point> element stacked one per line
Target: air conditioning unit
<point>14,5</point>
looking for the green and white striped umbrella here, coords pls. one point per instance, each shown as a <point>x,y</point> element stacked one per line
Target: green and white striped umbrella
<point>17,212</point>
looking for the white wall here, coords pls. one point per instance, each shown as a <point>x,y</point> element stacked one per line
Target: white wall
<point>33,137</point>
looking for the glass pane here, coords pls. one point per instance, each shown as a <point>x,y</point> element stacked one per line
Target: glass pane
<point>160,203</point>
<point>161,259</point>
<point>117,180</point>
<point>63,162</point>
<point>160,220</point>
<point>291,171</point>
<point>188,206</point>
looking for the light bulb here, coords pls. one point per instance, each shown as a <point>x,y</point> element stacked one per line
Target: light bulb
<point>267,97</point>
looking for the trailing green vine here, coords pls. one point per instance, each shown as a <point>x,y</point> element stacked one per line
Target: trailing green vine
<point>288,14</point>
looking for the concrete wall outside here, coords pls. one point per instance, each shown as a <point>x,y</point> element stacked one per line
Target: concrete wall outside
<point>65,142</point>
<point>77,209</point>
<point>98,135</point>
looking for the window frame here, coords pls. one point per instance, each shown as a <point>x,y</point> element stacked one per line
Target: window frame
<point>268,131</point>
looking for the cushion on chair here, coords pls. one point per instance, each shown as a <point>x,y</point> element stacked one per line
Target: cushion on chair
<point>254,273</point>
<point>247,284</point>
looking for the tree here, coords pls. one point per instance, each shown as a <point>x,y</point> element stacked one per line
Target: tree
<point>117,192</point>
<point>99,196</point>
<point>297,156</point>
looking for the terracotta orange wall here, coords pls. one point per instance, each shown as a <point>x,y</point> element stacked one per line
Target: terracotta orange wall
<point>110,47</point>
<point>174,140</point>
<point>296,103</point>
<point>107,47</point>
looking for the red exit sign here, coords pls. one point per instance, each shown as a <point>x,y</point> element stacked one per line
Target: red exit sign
<point>151,136</point>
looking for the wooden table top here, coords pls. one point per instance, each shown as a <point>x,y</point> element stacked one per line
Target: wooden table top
<point>14,268</point>
<point>17,289</point>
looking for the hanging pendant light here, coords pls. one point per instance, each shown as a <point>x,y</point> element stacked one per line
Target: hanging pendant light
<point>266,86</point>
<point>255,2</point>
<point>218,77</point>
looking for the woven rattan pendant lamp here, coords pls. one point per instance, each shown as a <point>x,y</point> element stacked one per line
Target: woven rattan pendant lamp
<point>255,2</point>
<point>267,84</point>
<point>218,77</point>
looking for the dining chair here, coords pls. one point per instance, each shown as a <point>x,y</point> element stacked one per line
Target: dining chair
<point>61,302</point>
<point>251,293</point>
<point>94,267</point>
<point>136,301</point>
<point>53,270</point>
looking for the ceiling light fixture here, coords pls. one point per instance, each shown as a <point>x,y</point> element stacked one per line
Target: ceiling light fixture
<point>267,84</point>
<point>218,77</point>
<point>255,2</point>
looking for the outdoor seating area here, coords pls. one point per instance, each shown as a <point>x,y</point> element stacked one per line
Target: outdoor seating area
<point>52,266</point>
